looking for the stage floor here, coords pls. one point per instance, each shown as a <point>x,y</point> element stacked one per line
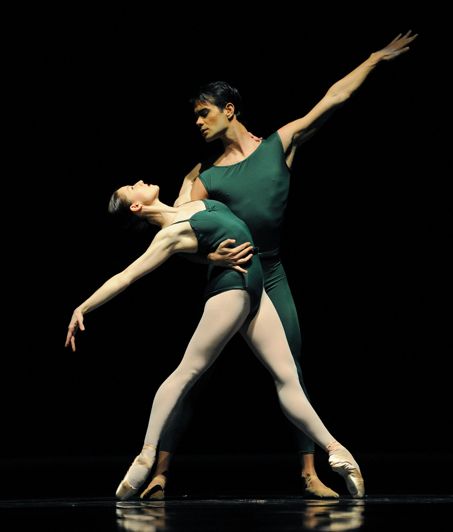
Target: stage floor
<point>405,491</point>
<point>392,512</point>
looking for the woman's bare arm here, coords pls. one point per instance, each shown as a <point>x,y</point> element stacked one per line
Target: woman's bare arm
<point>166,242</point>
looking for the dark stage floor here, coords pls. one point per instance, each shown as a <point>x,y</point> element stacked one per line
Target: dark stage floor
<point>229,492</point>
<point>290,513</point>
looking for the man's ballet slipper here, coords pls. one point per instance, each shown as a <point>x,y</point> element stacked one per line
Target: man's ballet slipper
<point>155,489</point>
<point>315,489</point>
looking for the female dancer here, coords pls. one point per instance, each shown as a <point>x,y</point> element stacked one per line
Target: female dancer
<point>235,301</point>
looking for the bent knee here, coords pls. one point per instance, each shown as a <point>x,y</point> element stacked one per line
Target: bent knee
<point>287,375</point>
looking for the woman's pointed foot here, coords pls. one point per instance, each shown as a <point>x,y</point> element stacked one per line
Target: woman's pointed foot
<point>342,462</point>
<point>125,490</point>
<point>137,473</point>
<point>156,488</point>
<point>315,489</point>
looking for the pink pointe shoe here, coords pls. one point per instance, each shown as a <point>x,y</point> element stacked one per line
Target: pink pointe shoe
<point>137,473</point>
<point>342,462</point>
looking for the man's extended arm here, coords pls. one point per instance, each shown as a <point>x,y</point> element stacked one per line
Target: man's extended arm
<point>300,130</point>
<point>185,192</point>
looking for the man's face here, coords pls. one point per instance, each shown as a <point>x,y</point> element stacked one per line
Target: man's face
<point>211,120</point>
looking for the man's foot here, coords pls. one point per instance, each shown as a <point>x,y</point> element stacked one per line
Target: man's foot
<point>342,462</point>
<point>316,489</point>
<point>155,489</point>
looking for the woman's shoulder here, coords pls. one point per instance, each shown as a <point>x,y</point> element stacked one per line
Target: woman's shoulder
<point>178,237</point>
<point>173,231</point>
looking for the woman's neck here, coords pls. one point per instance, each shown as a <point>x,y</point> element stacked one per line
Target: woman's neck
<point>163,215</point>
<point>160,213</point>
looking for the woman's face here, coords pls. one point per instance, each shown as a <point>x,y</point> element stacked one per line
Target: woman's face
<point>140,192</point>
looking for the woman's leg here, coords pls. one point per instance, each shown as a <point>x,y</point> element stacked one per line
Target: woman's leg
<point>266,337</point>
<point>222,317</point>
<point>278,290</point>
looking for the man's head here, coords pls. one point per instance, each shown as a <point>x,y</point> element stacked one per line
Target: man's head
<point>216,105</point>
<point>219,93</point>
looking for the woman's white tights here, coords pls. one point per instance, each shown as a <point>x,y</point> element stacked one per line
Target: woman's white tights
<point>224,315</point>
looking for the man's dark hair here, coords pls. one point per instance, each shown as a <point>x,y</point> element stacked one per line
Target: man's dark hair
<point>219,93</point>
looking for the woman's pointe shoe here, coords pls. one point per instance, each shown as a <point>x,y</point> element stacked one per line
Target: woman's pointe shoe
<point>156,488</point>
<point>342,462</point>
<point>137,473</point>
<point>125,490</point>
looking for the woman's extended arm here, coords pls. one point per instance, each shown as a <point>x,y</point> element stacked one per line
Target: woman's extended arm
<point>167,242</point>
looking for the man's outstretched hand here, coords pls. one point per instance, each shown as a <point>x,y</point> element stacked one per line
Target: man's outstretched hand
<point>398,46</point>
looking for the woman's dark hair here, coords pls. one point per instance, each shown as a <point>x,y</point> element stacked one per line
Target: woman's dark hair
<point>118,205</point>
<point>219,93</point>
<point>124,217</point>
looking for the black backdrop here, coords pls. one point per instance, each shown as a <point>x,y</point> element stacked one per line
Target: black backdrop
<point>366,243</point>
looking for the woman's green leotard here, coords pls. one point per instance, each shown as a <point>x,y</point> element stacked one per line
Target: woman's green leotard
<point>212,226</point>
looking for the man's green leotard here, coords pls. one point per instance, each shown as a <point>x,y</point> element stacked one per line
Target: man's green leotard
<point>256,189</point>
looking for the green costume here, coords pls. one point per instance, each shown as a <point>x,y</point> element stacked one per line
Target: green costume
<point>211,227</point>
<point>256,190</point>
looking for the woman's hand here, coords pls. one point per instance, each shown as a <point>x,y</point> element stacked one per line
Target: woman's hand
<point>75,324</point>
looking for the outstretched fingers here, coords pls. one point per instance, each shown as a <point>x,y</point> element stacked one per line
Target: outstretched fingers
<point>395,39</point>
<point>398,46</point>
<point>403,40</point>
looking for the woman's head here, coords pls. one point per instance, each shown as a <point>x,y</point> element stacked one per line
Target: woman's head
<point>133,197</point>
<point>130,203</point>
